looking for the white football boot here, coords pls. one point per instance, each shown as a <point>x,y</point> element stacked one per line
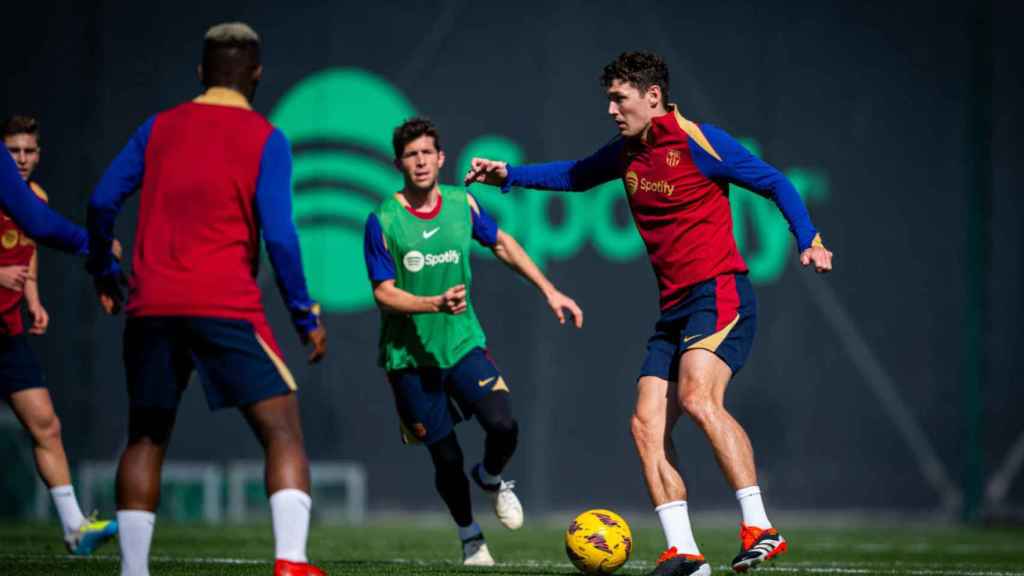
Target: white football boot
<point>475,552</point>
<point>506,504</point>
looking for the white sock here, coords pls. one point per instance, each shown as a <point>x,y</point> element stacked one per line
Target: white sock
<point>471,531</point>
<point>752,507</point>
<point>675,522</point>
<point>70,513</point>
<point>289,510</point>
<point>135,534</point>
<point>486,476</point>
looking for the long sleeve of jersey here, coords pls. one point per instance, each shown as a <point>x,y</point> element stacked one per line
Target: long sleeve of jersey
<point>33,216</point>
<point>739,166</point>
<point>274,208</point>
<point>574,175</point>
<point>121,180</point>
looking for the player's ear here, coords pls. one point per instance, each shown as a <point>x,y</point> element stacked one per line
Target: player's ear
<point>257,74</point>
<point>440,158</point>
<point>654,95</point>
<point>199,73</point>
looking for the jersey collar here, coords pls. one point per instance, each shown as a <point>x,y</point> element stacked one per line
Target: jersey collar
<point>221,96</point>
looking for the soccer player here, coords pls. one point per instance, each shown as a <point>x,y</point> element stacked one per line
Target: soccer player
<point>677,174</point>
<point>431,345</point>
<point>214,175</point>
<point>21,379</point>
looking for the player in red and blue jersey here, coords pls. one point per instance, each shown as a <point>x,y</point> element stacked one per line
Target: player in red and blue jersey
<point>214,176</point>
<point>677,174</point>
<point>21,377</point>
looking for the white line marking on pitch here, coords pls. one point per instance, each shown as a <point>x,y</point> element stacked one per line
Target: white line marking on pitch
<point>784,567</point>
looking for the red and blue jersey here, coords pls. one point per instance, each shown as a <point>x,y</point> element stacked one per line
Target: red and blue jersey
<point>33,216</point>
<point>16,249</point>
<point>677,181</point>
<point>213,177</point>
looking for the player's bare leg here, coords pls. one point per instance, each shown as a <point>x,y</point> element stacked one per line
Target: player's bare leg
<point>653,419</point>
<point>34,409</point>
<point>138,485</point>
<point>277,425</point>
<point>703,378</point>
<point>652,424</point>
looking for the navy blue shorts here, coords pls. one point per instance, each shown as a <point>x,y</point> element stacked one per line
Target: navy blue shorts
<point>431,401</point>
<point>718,315</point>
<point>237,365</point>
<point>19,369</point>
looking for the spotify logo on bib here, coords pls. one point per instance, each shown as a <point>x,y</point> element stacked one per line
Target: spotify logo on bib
<point>413,261</point>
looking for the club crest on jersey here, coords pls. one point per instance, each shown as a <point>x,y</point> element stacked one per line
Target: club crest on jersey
<point>632,182</point>
<point>672,158</point>
<point>10,239</point>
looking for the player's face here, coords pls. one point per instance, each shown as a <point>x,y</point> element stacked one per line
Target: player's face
<point>24,148</point>
<point>632,110</point>
<point>420,163</point>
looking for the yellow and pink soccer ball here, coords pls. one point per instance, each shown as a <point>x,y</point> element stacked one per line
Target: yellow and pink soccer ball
<point>598,542</point>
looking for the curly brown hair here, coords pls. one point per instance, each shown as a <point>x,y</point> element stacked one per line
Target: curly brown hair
<point>412,129</point>
<point>641,69</point>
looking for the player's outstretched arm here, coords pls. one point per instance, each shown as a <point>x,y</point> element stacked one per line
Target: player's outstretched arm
<point>393,299</point>
<point>572,176</point>
<point>509,251</point>
<point>34,217</point>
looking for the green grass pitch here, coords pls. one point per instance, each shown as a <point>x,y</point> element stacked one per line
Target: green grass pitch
<point>417,548</point>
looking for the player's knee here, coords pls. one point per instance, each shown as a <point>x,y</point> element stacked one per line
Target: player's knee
<point>447,455</point>
<point>698,405</point>
<point>506,427</point>
<point>45,429</point>
<point>646,433</point>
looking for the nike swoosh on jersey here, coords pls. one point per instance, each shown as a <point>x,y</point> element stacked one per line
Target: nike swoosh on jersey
<point>427,234</point>
<point>486,382</point>
<point>688,338</point>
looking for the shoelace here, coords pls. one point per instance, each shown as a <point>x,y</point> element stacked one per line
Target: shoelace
<point>507,485</point>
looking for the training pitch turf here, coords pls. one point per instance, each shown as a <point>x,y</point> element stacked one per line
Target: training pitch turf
<point>411,548</point>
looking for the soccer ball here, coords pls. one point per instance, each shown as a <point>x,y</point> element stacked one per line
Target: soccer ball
<point>598,542</point>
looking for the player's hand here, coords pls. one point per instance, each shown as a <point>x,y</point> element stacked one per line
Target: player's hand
<point>109,291</point>
<point>40,319</point>
<point>116,250</point>
<point>493,172</point>
<point>819,256</point>
<point>14,277</point>
<point>453,301</point>
<point>559,303</point>
<point>318,339</point>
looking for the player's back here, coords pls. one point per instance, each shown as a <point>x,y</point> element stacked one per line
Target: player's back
<point>197,243</point>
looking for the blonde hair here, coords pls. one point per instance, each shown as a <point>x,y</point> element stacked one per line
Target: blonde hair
<point>232,33</point>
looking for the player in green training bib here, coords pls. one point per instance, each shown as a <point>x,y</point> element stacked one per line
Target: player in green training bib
<point>432,346</point>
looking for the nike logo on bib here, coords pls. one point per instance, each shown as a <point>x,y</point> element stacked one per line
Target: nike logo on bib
<point>428,234</point>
